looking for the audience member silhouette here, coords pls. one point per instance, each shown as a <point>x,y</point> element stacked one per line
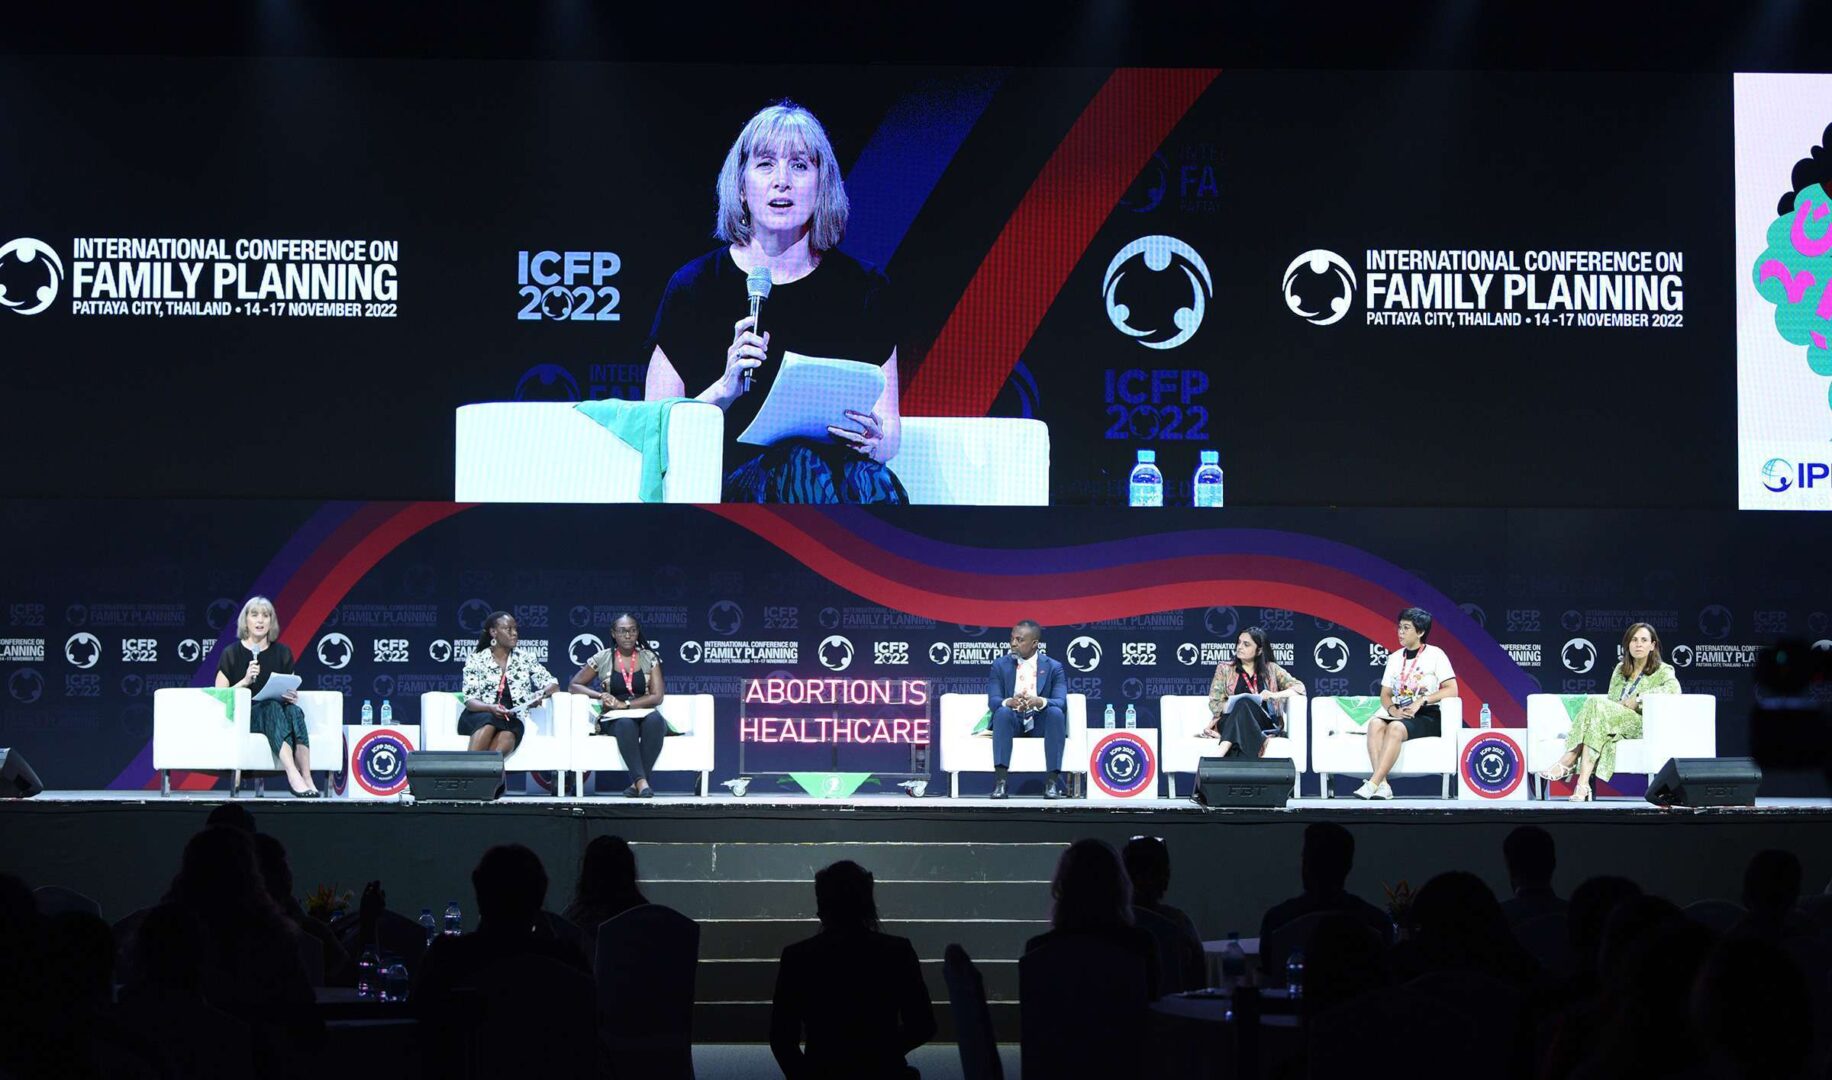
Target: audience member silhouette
<point>1771,895</point>
<point>1751,1008</point>
<point>1458,926</point>
<point>607,886</point>
<point>251,962</point>
<point>850,1001</point>
<point>1531,858</point>
<point>1091,896</point>
<point>1652,956</point>
<point>1573,1007</point>
<point>1342,960</point>
<point>234,815</point>
<point>1323,866</point>
<point>277,874</point>
<point>1180,961</point>
<point>511,886</point>
<point>166,1004</point>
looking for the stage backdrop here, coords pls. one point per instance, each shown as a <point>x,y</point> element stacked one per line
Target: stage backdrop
<point>279,278</point>
<point>384,601</point>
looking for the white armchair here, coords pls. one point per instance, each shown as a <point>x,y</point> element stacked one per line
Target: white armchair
<point>1181,717</point>
<point>963,751</point>
<point>208,730</point>
<point>1340,745</point>
<point>690,751</point>
<point>1672,725</point>
<point>548,451</point>
<point>546,747</point>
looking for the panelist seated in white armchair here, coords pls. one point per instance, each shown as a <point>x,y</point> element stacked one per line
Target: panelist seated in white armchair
<point>500,686</point>
<point>1418,677</point>
<point>1027,693</point>
<point>1605,720</point>
<point>629,676</point>
<point>249,662</point>
<point>1247,697</point>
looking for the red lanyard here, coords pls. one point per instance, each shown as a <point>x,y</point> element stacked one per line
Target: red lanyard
<point>1407,669</point>
<point>502,685</point>
<point>1252,683</point>
<point>628,673</point>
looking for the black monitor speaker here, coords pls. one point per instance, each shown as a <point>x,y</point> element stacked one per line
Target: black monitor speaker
<point>1245,781</point>
<point>1706,782</point>
<point>456,775</point>
<point>17,780</point>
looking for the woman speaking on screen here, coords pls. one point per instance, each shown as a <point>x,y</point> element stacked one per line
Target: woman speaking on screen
<point>782,210</point>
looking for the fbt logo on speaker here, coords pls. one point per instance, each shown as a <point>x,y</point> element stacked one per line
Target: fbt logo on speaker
<point>568,286</point>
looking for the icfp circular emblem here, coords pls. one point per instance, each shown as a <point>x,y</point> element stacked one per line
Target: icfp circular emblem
<point>1492,765</point>
<point>1123,766</point>
<point>381,763</point>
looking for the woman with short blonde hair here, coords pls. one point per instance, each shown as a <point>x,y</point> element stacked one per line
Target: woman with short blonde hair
<point>782,211</point>
<point>248,662</point>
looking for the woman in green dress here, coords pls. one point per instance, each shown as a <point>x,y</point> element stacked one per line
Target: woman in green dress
<point>1605,720</point>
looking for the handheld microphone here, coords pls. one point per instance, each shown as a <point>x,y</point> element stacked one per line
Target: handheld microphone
<point>756,286</point>
<point>254,654</point>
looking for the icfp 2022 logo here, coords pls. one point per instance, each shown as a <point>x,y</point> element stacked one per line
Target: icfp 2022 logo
<point>1159,254</point>
<point>1123,766</point>
<point>380,761</point>
<point>1319,287</point>
<point>36,254</point>
<point>1492,765</point>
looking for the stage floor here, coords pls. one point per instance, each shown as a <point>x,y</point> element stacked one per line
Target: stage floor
<point>756,803</point>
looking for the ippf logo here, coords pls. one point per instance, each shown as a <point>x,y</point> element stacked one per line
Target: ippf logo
<point>1319,286</point>
<point>1780,474</point>
<point>35,271</point>
<point>568,286</point>
<point>1157,292</point>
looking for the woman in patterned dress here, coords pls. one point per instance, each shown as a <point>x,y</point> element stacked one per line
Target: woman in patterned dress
<point>1605,720</point>
<point>1243,729</point>
<point>500,685</point>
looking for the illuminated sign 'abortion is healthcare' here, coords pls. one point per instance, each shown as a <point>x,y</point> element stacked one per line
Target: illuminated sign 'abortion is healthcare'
<point>862,711</point>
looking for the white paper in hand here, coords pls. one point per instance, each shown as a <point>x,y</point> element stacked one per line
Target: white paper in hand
<point>809,394</point>
<point>279,684</point>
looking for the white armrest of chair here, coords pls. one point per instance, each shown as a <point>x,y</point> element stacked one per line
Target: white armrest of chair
<point>1679,726</point>
<point>974,461</point>
<point>548,451</point>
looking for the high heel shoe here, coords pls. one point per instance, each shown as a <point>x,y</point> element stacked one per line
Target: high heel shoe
<point>1581,792</point>
<point>1558,772</point>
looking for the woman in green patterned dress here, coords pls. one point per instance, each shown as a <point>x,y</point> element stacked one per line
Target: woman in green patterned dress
<point>1605,720</point>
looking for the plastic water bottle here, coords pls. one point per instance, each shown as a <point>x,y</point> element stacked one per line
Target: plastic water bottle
<point>1294,975</point>
<point>1132,716</point>
<point>387,712</point>
<point>454,919</point>
<point>395,981</point>
<point>1207,483</point>
<point>368,713</point>
<point>368,980</point>
<point>1109,719</point>
<point>429,924</point>
<point>1146,486</point>
<point>1234,961</point>
<point>1488,721</point>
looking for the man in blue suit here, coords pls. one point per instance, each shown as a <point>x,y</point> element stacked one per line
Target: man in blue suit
<point>1028,695</point>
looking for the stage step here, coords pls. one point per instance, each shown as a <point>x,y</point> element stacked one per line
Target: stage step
<point>741,939</point>
<point>752,899</point>
<point>886,861</point>
<point>725,898</point>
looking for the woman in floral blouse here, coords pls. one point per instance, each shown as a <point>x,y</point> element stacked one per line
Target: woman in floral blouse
<point>1244,728</point>
<point>500,685</point>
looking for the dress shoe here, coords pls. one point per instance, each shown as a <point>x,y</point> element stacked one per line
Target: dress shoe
<point>1052,790</point>
<point>998,789</point>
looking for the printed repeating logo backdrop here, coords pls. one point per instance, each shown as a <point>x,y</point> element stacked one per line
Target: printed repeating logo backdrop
<point>383,602</point>
<point>1137,258</point>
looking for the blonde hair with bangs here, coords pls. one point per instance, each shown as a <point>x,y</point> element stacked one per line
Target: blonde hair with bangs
<point>258,603</point>
<point>784,129</point>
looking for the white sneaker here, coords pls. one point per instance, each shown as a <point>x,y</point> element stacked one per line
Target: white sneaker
<point>1365,791</point>
<point>1384,791</point>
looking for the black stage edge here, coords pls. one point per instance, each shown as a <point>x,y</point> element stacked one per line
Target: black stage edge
<point>967,871</point>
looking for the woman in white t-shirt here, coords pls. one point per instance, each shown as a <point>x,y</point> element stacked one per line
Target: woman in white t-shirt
<point>1418,677</point>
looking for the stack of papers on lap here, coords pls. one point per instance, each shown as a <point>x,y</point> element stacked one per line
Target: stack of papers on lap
<point>809,394</point>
